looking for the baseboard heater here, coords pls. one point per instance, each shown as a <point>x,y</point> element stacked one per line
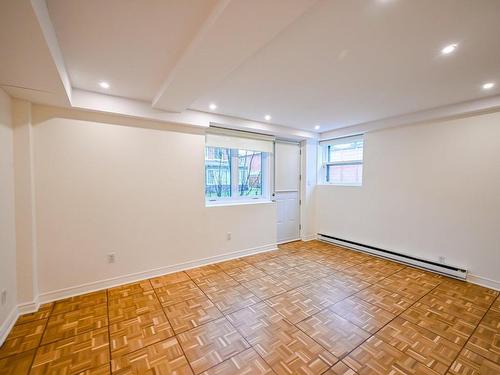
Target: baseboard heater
<point>429,265</point>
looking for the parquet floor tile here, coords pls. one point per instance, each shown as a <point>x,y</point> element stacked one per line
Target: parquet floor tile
<point>441,323</point>
<point>293,353</point>
<point>211,344</point>
<point>295,305</point>
<point>424,346</point>
<point>172,294</point>
<point>129,289</point>
<point>292,278</point>
<point>467,293</point>
<point>203,271</point>
<point>340,368</point>
<point>326,292</point>
<point>171,278</point>
<point>246,273</point>
<point>140,331</point>
<point>74,355</point>
<point>363,314</point>
<point>23,337</point>
<point>43,312</point>
<point>306,308</point>
<point>486,338</point>
<point>347,283</point>
<point>444,305</point>
<point>496,305</point>
<point>252,259</point>
<point>421,276</point>
<point>333,332</point>
<point>271,265</point>
<point>259,320</point>
<point>470,363</point>
<point>265,287</point>
<point>375,356</point>
<point>19,364</point>
<point>80,302</point>
<point>370,272</point>
<point>233,263</point>
<point>164,357</point>
<point>406,286</point>
<point>72,323</point>
<point>191,313</point>
<point>131,306</point>
<point>232,298</point>
<point>247,362</point>
<point>215,281</point>
<point>388,300</point>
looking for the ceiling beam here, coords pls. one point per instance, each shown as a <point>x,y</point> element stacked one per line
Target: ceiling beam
<point>447,112</point>
<point>233,32</point>
<point>95,102</point>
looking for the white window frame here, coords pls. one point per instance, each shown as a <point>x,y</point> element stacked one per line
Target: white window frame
<point>235,198</point>
<point>325,163</point>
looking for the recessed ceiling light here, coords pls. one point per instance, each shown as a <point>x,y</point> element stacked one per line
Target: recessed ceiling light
<point>104,84</point>
<point>267,117</point>
<point>213,106</point>
<point>450,48</point>
<point>316,127</point>
<point>488,85</point>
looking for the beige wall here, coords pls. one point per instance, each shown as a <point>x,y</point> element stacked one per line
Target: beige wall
<point>7,211</point>
<point>429,190</point>
<point>111,184</point>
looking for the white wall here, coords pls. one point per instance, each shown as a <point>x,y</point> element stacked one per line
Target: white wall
<point>7,213</point>
<point>112,184</point>
<point>429,190</point>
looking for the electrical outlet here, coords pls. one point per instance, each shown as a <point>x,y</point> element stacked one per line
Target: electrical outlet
<point>442,259</point>
<point>4,297</point>
<point>111,257</point>
<point>229,236</point>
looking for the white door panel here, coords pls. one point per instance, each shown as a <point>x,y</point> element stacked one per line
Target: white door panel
<point>287,172</point>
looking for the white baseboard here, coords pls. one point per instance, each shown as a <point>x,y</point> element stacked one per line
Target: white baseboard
<point>483,281</point>
<point>130,278</point>
<point>8,324</point>
<point>309,237</point>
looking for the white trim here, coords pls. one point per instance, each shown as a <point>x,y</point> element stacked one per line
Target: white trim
<point>28,307</point>
<point>115,281</point>
<point>483,281</point>
<point>289,240</point>
<point>8,324</point>
<point>309,237</point>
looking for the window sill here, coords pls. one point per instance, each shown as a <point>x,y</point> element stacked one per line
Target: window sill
<point>242,203</point>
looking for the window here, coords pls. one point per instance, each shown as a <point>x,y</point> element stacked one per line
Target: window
<point>238,172</point>
<point>343,161</point>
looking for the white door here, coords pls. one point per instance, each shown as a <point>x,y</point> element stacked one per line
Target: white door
<point>287,174</point>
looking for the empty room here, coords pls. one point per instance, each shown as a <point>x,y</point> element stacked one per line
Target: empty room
<point>226,187</point>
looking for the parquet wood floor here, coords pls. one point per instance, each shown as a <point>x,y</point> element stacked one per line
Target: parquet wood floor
<point>307,308</point>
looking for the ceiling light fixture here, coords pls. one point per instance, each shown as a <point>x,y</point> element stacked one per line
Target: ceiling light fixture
<point>488,85</point>
<point>267,117</point>
<point>104,84</point>
<point>213,106</point>
<point>450,48</point>
<point>316,127</point>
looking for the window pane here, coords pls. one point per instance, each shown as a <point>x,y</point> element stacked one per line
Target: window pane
<point>350,151</point>
<point>347,174</point>
<point>249,173</point>
<point>217,172</point>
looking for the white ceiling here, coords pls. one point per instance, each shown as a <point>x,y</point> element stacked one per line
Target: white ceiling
<point>349,62</point>
<point>332,63</point>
